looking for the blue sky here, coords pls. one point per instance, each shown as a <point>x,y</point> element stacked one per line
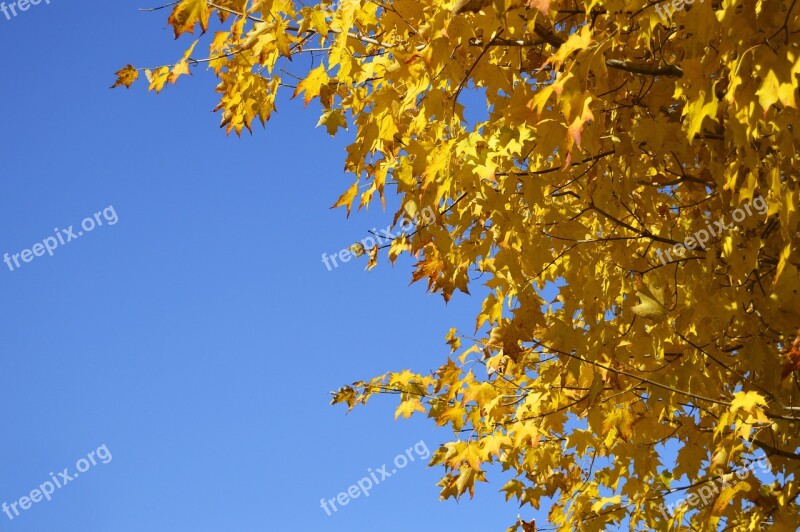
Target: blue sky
<point>199,336</point>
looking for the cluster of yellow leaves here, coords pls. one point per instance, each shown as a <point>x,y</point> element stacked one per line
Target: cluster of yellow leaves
<point>607,134</point>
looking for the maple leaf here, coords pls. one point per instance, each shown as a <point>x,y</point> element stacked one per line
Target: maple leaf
<point>126,77</point>
<point>158,78</point>
<point>346,199</point>
<point>312,84</point>
<point>462,6</point>
<point>649,307</point>
<point>408,407</point>
<point>181,68</point>
<point>357,249</point>
<point>373,257</point>
<point>542,5</point>
<point>792,355</point>
<point>187,14</point>
<point>333,120</point>
<point>747,402</point>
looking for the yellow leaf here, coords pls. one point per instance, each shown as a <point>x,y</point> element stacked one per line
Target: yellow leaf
<point>408,407</point>
<point>333,119</point>
<point>126,77</point>
<point>346,199</point>
<point>748,402</point>
<point>187,14</point>
<point>182,67</point>
<point>373,257</point>
<point>784,257</point>
<point>158,78</point>
<point>704,106</point>
<point>649,308</point>
<point>312,83</point>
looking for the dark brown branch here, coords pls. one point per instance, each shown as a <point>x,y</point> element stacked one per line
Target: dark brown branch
<point>670,71</point>
<point>643,233</point>
<point>469,72</point>
<point>548,35</point>
<point>557,168</point>
<point>774,450</point>
<point>475,41</point>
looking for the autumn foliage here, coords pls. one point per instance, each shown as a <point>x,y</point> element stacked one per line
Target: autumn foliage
<point>608,134</point>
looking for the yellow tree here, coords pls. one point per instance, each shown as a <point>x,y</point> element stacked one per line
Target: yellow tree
<point>639,155</point>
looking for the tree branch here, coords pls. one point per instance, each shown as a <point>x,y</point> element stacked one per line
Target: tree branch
<point>670,71</point>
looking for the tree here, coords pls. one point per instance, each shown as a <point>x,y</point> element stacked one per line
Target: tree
<point>639,156</point>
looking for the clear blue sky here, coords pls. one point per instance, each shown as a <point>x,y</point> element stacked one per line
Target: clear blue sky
<point>199,336</point>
